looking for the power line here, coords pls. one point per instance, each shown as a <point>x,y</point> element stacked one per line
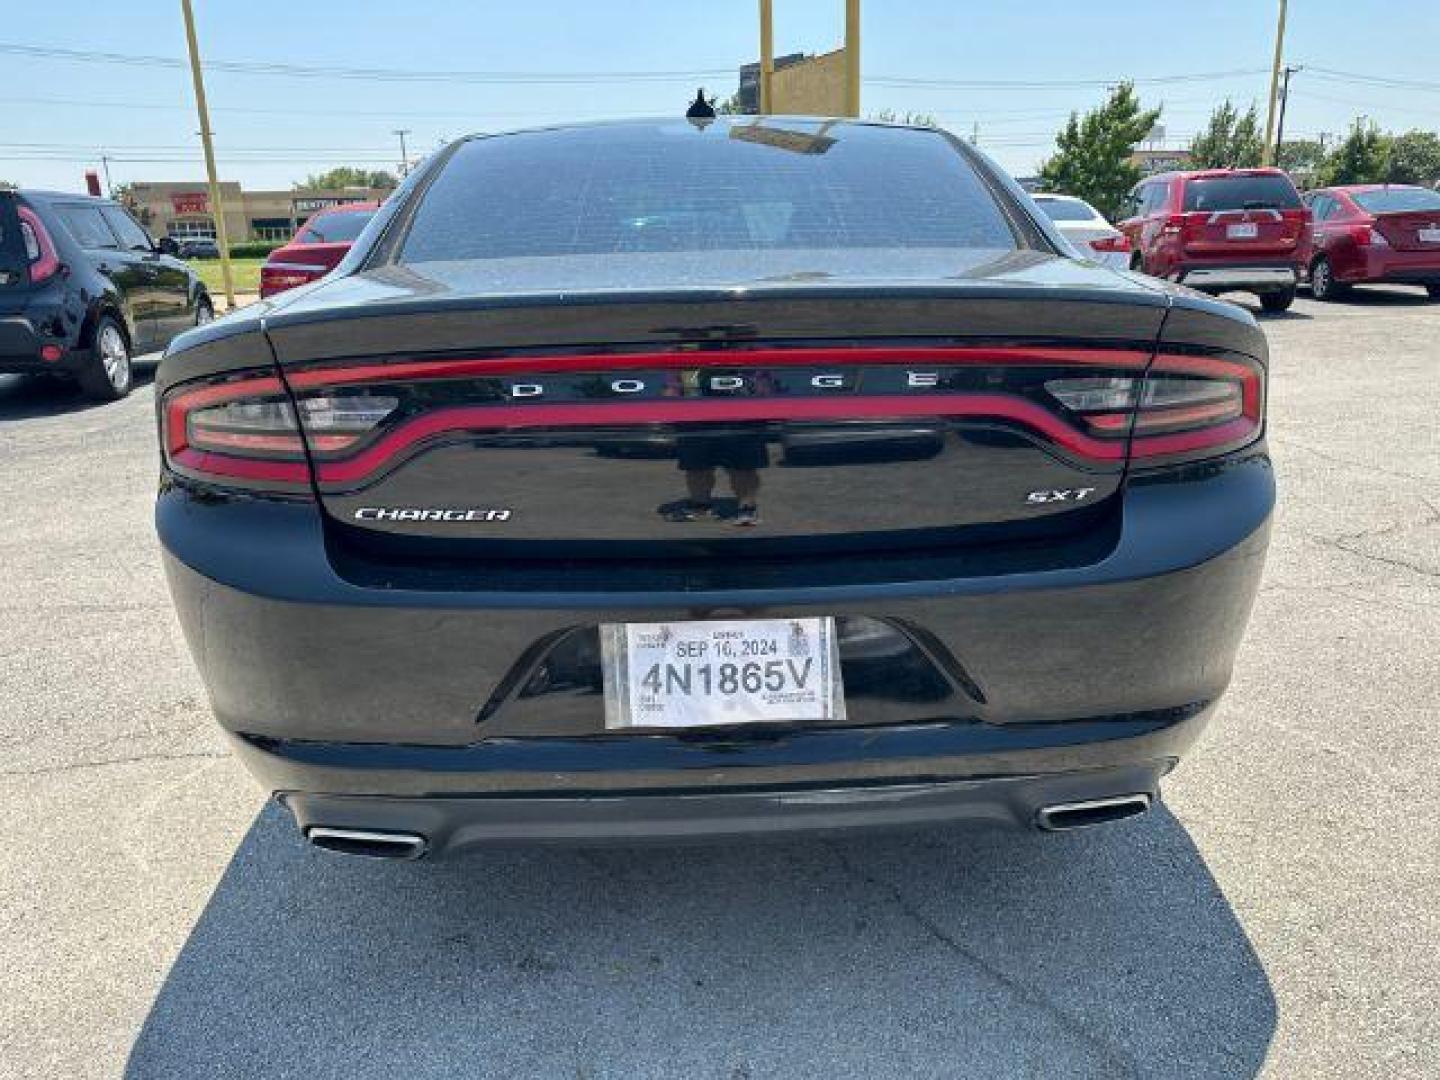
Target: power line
<point>1335,75</point>
<point>307,71</point>
<point>267,67</point>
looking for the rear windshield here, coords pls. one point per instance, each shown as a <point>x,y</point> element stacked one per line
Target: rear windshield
<point>1264,192</point>
<point>336,228</point>
<point>617,189</point>
<point>1067,209</point>
<point>1397,200</point>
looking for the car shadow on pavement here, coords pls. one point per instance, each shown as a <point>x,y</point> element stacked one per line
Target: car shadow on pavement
<point>1109,952</point>
<point>26,397</point>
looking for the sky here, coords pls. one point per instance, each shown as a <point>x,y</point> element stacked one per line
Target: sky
<point>1009,71</point>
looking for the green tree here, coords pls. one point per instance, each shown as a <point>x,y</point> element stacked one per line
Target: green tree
<point>1231,140</point>
<point>1414,159</point>
<point>1361,159</point>
<point>349,176</point>
<point>731,106</point>
<point>1093,156</point>
<point>1302,159</point>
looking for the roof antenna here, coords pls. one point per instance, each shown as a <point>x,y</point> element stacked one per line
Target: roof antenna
<point>700,109</point>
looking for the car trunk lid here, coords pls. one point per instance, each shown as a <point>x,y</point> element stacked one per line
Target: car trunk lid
<point>1412,230</point>
<point>587,424</point>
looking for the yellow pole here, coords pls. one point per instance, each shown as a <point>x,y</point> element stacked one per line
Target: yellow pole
<point>1268,157</point>
<point>767,56</point>
<point>217,208</point>
<point>852,57</point>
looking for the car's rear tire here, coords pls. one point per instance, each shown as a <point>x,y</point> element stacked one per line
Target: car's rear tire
<point>1323,285</point>
<point>204,311</point>
<point>109,374</point>
<point>1137,263</point>
<point>1277,302</point>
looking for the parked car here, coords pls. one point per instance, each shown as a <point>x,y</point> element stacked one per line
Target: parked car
<point>1086,228</point>
<point>1374,234</point>
<point>1221,230</point>
<point>198,249</point>
<point>431,615</point>
<point>316,248</point>
<point>84,289</point>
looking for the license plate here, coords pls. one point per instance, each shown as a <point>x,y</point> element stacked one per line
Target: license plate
<point>1242,230</point>
<point>1429,236</point>
<point>706,673</point>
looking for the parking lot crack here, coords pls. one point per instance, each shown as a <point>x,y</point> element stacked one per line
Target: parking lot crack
<point>1117,1062</point>
<point>77,766</point>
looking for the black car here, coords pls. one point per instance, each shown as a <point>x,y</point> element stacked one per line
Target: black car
<point>197,249</point>
<point>84,289</point>
<point>937,522</point>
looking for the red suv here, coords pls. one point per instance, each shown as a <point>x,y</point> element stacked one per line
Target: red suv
<point>1221,230</point>
<point>316,248</point>
<point>1374,233</point>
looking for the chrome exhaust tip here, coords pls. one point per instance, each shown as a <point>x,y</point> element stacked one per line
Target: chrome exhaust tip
<point>1079,815</point>
<point>367,844</point>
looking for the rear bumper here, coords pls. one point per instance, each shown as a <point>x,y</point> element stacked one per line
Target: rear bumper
<point>1241,278</point>
<point>1393,268</point>
<point>363,704</point>
<point>20,345</point>
<point>450,825</point>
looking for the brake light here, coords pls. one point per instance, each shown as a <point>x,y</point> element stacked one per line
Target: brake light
<point>1183,408</point>
<point>39,248</point>
<point>244,431</point>
<point>277,277</point>
<point>1117,243</point>
<point>1367,236</point>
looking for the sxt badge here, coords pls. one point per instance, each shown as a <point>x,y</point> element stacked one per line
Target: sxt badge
<point>1060,495</point>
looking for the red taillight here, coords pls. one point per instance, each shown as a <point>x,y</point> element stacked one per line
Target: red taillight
<point>277,277</point>
<point>52,353</point>
<point>39,248</point>
<point>1185,407</point>
<point>1367,236</point>
<point>244,430</point>
<point>1117,243</point>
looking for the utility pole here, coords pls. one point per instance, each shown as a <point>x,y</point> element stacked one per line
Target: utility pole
<point>767,56</point>
<point>852,57</point>
<point>975,134</point>
<point>217,208</point>
<point>105,164</point>
<point>404,161</point>
<point>1268,156</point>
<point>1284,100</point>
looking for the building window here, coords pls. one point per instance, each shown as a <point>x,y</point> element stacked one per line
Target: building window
<point>271,228</point>
<point>191,229</point>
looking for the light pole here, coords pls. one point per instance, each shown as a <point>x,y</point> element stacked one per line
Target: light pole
<point>852,57</point>
<point>1268,156</point>
<point>217,208</point>
<point>404,161</point>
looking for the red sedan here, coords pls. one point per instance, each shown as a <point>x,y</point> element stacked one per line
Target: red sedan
<point>316,248</point>
<point>1374,234</point>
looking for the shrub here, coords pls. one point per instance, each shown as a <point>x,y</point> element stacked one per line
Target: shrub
<point>255,249</point>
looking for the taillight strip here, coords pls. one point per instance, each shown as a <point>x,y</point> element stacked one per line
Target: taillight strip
<point>463,367</point>
<point>512,417</point>
<point>179,405</point>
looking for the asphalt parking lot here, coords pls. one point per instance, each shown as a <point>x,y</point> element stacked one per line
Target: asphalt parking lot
<point>1279,916</point>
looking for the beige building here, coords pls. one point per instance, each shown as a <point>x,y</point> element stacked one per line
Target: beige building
<point>181,209</point>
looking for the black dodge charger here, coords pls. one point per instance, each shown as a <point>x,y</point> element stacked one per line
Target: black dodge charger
<point>668,479</point>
